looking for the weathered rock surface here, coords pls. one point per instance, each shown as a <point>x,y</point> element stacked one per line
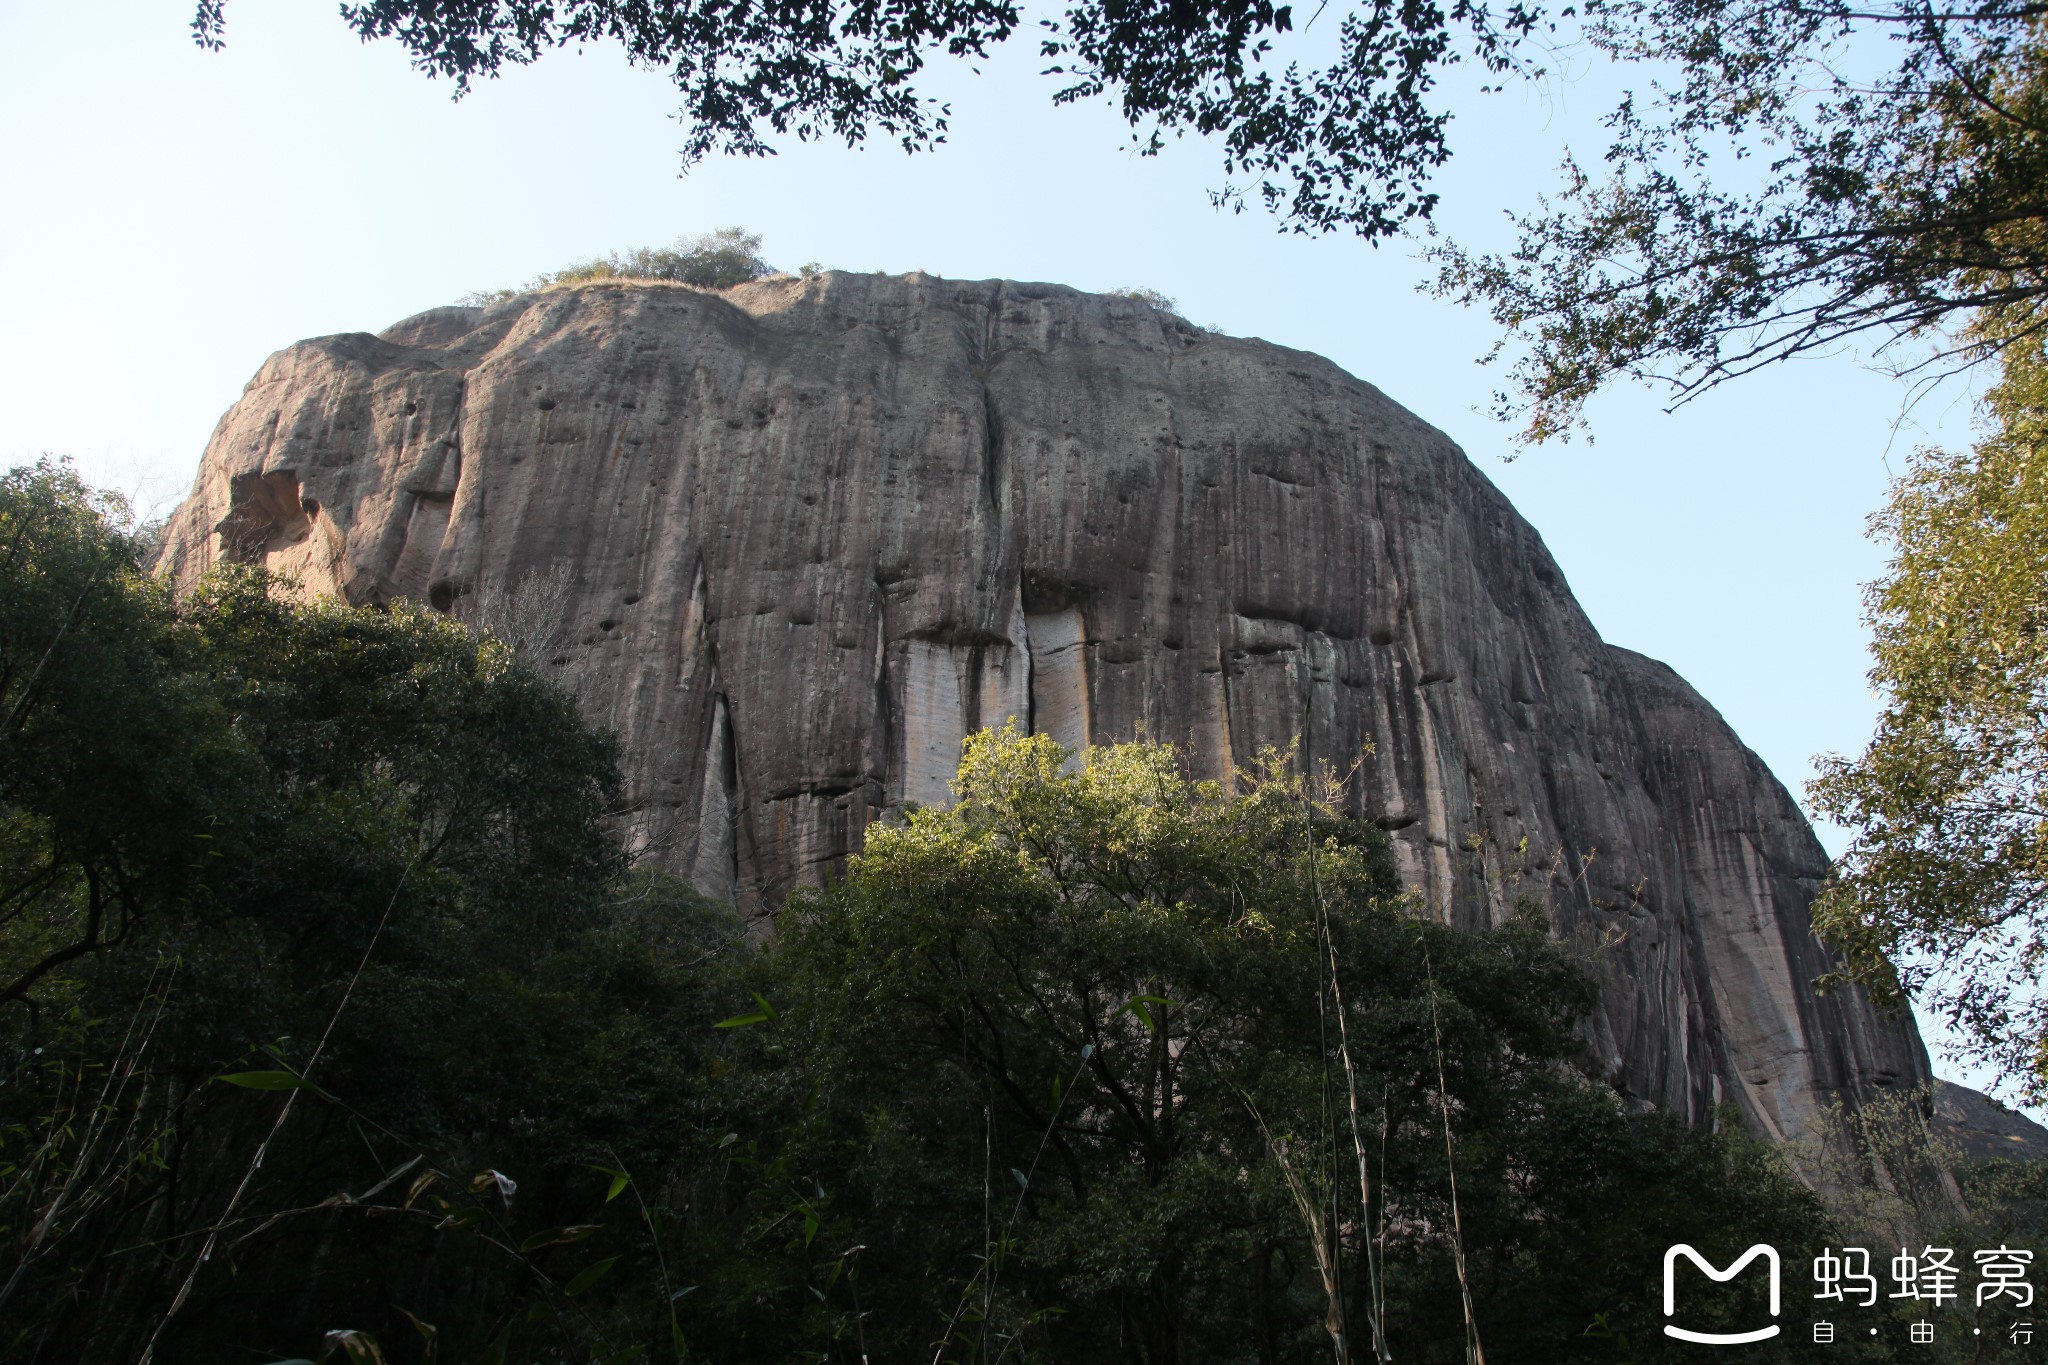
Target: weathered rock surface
<point>816,531</point>
<point>1983,1128</point>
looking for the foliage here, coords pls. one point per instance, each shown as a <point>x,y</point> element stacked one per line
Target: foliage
<point>1948,875</point>
<point>1888,1180</point>
<point>1063,1050</point>
<point>1791,177</point>
<point>1892,1183</point>
<point>1147,296</point>
<point>117,776</point>
<point>392,1058</point>
<point>712,260</point>
<point>1882,171</point>
<point>394,961</point>
<point>1350,137</point>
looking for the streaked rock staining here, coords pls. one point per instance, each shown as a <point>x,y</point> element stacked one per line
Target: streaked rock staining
<point>813,532</point>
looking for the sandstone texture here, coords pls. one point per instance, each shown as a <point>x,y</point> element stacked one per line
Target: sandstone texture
<point>810,533</point>
<point>1983,1128</point>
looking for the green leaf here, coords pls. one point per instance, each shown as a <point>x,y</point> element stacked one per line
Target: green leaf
<point>431,1352</point>
<point>460,1220</point>
<point>589,1276</point>
<point>494,1354</point>
<point>619,1183</point>
<point>1138,1004</point>
<point>360,1347</point>
<point>552,1237</point>
<point>266,1080</point>
<point>766,1014</point>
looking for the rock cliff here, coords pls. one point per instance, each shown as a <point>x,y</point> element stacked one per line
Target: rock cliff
<point>809,533</point>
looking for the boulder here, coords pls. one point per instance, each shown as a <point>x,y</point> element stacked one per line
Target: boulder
<point>807,534</point>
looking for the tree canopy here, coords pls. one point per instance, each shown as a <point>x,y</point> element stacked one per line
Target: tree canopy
<point>711,260</point>
<point>1948,874</point>
<point>1103,1063</point>
<point>1806,175</point>
<point>383,1053</point>
<point>1785,178</point>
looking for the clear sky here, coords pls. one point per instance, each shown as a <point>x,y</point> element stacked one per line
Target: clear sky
<point>173,216</point>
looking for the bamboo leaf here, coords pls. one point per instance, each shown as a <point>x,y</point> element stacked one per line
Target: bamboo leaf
<point>419,1186</point>
<point>266,1080</point>
<point>553,1237</point>
<point>494,1354</point>
<point>1140,1005</point>
<point>431,1352</point>
<point>359,1347</point>
<point>589,1276</point>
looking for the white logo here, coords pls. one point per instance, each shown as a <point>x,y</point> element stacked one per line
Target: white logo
<point>1671,1255</point>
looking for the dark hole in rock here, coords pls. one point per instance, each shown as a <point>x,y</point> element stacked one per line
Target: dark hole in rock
<point>266,513</point>
<point>312,506</point>
<point>411,408</point>
<point>441,596</point>
<point>631,598</point>
<point>606,624</point>
<point>547,405</point>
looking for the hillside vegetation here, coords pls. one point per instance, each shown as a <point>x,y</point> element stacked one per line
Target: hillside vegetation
<point>336,1024</point>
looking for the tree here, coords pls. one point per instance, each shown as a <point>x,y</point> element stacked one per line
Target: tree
<point>1064,1073</point>
<point>1889,169</point>
<point>712,260</point>
<point>389,936</point>
<point>1948,875</point>
<point>1349,139</point>
<point>118,776</point>
<point>1794,175</point>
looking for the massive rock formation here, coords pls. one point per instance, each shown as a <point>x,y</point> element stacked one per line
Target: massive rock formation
<point>815,531</point>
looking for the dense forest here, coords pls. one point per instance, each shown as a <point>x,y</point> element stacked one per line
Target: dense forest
<point>338,1024</point>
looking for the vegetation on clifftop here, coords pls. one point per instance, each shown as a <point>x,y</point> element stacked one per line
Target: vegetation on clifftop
<point>711,260</point>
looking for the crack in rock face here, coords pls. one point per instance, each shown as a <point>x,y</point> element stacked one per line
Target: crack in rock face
<point>807,534</point>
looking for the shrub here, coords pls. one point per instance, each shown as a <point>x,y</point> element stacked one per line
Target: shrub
<point>1151,296</point>
<point>712,260</point>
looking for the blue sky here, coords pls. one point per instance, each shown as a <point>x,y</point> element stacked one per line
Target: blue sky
<point>174,216</point>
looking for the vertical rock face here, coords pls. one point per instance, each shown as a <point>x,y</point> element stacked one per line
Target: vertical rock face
<point>817,531</point>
